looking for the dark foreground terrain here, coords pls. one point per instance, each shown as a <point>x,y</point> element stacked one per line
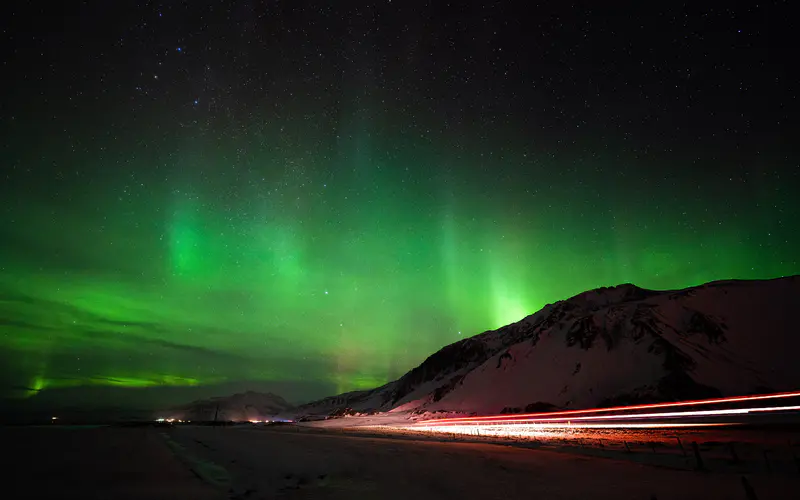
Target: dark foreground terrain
<point>95,462</point>
<point>286,462</point>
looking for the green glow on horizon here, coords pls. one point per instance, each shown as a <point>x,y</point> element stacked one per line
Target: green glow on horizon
<point>39,384</point>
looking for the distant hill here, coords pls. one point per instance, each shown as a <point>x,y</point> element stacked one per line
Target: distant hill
<point>238,407</point>
<point>608,346</point>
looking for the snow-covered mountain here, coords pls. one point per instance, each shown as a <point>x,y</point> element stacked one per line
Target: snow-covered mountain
<point>238,407</point>
<point>608,346</point>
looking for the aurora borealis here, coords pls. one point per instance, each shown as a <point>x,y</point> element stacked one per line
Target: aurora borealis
<point>316,199</point>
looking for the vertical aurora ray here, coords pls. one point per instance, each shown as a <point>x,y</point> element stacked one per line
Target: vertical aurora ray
<point>508,295</point>
<point>185,250</point>
<point>456,289</point>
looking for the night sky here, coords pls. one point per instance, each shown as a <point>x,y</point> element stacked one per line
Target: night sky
<point>314,198</point>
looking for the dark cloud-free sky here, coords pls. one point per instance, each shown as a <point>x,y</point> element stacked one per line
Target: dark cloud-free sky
<point>314,196</point>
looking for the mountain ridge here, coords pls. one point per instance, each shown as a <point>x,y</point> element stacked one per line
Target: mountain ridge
<point>248,405</point>
<point>635,344</point>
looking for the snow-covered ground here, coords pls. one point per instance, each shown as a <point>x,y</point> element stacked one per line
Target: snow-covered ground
<point>293,462</point>
<point>387,418</point>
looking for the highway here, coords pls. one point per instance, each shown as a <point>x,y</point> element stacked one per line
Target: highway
<point>304,462</point>
<point>729,412</point>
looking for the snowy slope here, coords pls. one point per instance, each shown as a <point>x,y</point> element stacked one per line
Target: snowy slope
<point>238,407</point>
<point>610,345</point>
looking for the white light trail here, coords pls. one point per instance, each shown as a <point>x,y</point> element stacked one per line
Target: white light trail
<point>528,416</point>
<point>517,429</point>
<point>564,426</point>
<point>671,414</point>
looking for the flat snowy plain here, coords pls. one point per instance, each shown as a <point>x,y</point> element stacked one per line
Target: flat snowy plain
<point>294,462</point>
<point>299,462</point>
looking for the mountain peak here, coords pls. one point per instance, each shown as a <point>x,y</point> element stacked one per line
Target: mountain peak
<point>607,295</point>
<point>249,405</point>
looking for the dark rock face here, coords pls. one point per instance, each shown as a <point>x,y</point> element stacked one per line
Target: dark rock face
<point>450,359</point>
<point>644,322</point>
<point>504,356</point>
<point>442,391</point>
<point>342,412</point>
<point>701,324</point>
<point>674,358</point>
<point>540,406</point>
<point>675,386</point>
<point>679,385</point>
<point>583,332</point>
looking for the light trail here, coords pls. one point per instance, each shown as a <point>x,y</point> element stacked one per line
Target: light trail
<point>653,425</point>
<point>527,416</point>
<point>673,414</point>
<point>623,418</point>
<point>566,426</point>
<point>562,430</point>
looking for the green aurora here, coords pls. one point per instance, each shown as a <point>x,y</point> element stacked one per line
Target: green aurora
<point>346,281</point>
<point>313,201</point>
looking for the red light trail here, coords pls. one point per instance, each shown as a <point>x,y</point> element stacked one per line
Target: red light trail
<point>560,424</point>
<point>550,429</point>
<point>633,416</point>
<point>544,416</point>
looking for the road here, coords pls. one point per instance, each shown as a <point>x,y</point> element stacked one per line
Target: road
<point>655,421</point>
<point>593,453</point>
<point>295,462</point>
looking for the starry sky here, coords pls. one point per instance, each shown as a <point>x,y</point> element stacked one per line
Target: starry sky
<point>312,197</point>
